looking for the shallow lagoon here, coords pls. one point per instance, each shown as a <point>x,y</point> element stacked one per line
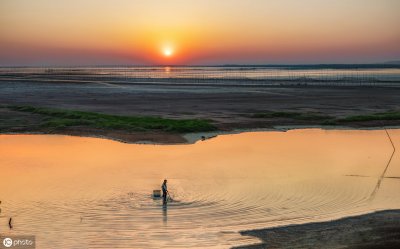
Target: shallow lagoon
<point>94,193</point>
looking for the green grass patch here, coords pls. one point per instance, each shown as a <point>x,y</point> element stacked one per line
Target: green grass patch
<point>292,115</point>
<point>392,115</point>
<point>329,120</point>
<point>59,118</point>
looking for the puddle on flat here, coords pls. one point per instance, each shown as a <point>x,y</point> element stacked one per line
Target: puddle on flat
<point>74,192</point>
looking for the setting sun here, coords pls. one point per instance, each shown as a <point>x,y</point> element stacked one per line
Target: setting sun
<point>168,52</point>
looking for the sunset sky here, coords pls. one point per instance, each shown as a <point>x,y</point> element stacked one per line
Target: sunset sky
<point>153,32</point>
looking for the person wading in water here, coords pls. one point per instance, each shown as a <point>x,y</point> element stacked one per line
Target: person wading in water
<point>164,192</point>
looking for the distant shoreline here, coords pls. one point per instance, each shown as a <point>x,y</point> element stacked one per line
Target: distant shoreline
<point>379,229</point>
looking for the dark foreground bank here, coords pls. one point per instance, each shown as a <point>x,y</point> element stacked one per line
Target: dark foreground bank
<point>377,230</point>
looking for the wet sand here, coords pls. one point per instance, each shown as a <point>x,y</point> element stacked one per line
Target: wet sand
<point>229,107</point>
<point>376,230</point>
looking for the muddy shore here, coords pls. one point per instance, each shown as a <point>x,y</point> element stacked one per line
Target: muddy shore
<point>375,230</point>
<point>229,108</point>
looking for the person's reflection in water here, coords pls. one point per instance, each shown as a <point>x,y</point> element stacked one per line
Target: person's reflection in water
<point>165,214</point>
<point>165,200</point>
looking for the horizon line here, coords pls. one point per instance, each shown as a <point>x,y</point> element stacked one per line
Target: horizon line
<point>388,64</point>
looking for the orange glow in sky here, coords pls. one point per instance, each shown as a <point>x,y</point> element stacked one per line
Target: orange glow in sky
<point>92,32</point>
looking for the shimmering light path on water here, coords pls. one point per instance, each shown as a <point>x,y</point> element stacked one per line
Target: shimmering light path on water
<point>84,192</point>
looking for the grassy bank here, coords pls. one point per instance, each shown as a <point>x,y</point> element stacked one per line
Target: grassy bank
<point>59,119</point>
<point>384,116</point>
<point>292,115</point>
<point>320,119</point>
<point>30,119</point>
